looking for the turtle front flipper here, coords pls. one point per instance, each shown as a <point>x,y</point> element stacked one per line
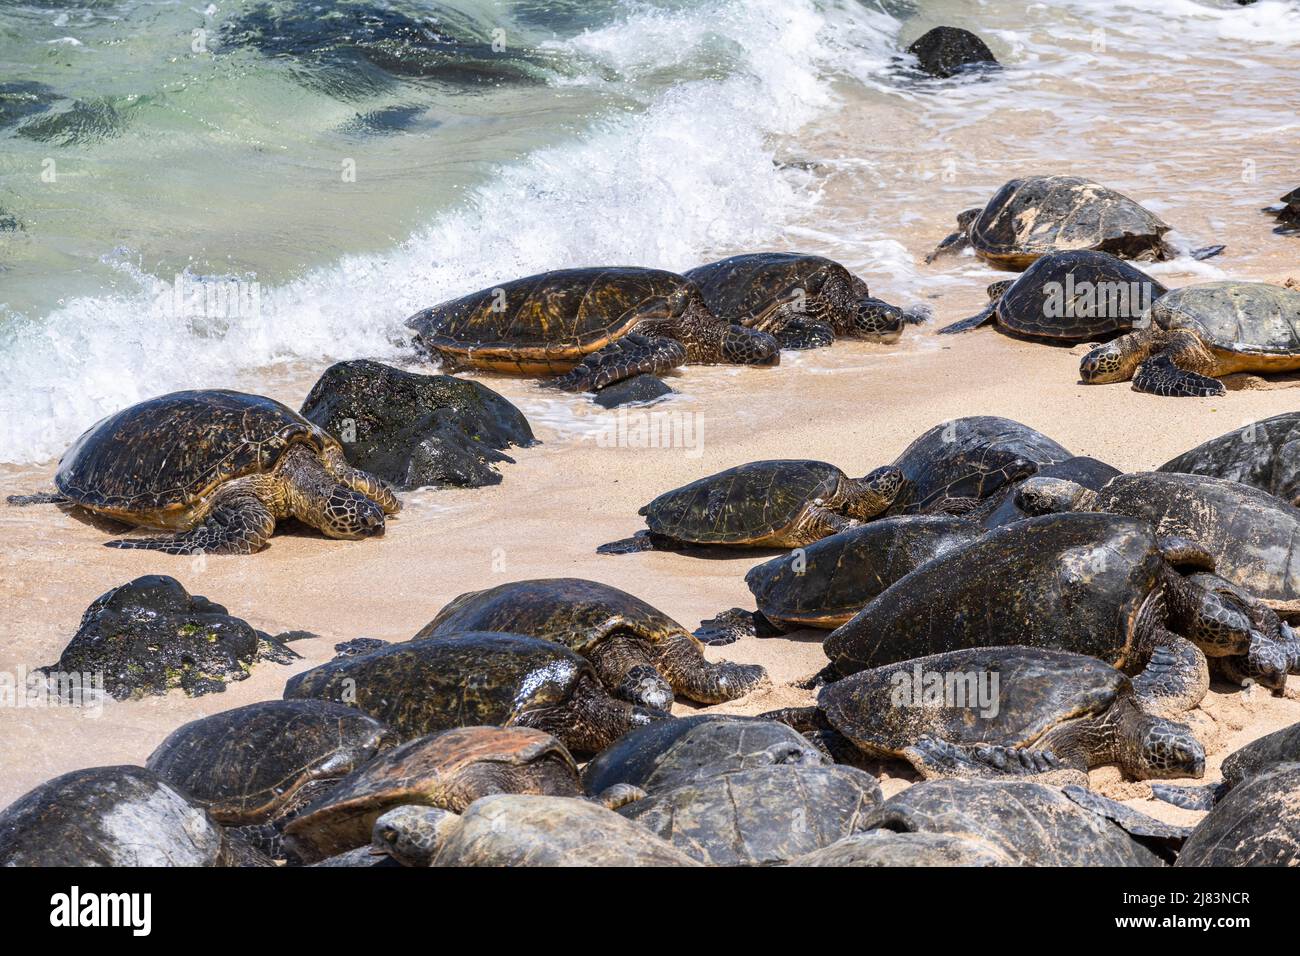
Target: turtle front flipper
<point>937,759</point>
<point>1163,374</point>
<point>1176,677</point>
<point>958,240</point>
<point>973,322</point>
<point>361,481</point>
<point>624,358</point>
<point>1189,798</point>
<point>590,720</point>
<point>238,523</point>
<point>693,675</point>
<point>802,334</point>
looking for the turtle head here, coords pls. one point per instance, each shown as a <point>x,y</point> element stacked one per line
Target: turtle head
<point>348,514</point>
<point>412,835</point>
<point>1105,364</point>
<point>876,321</point>
<point>1165,748</point>
<point>742,346</point>
<point>1047,496</point>
<point>875,492</point>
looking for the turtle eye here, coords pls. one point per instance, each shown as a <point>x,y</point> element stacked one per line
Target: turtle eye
<point>389,835</point>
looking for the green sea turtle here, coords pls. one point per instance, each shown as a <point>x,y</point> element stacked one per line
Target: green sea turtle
<point>640,654</point>
<point>219,468</point>
<point>960,466</point>
<point>1033,824</point>
<point>1250,533</point>
<point>1288,214</point>
<point>258,765</point>
<point>589,327</point>
<point>992,711</point>
<point>761,816</point>
<point>1265,454</point>
<point>1193,335</point>
<point>763,504</point>
<point>804,301</point>
<point>450,770</point>
<point>1256,824</point>
<point>829,581</point>
<point>1262,754</point>
<point>1031,217</point>
<point>1074,296</point>
<point>110,816</point>
<point>477,678</point>
<point>669,753</point>
<point>1102,585</point>
<point>519,830</point>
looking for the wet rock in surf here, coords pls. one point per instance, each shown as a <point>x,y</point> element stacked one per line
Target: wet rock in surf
<point>84,122</point>
<point>637,390</point>
<point>417,430</point>
<point>23,98</point>
<point>947,51</point>
<point>151,636</point>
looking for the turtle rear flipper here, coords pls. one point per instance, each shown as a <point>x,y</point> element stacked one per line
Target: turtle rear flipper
<point>641,541</point>
<point>1190,798</point>
<point>973,322</point>
<point>937,759</point>
<point>624,358</point>
<point>731,625</point>
<point>40,498</point>
<point>239,523</point>
<point>1161,375</point>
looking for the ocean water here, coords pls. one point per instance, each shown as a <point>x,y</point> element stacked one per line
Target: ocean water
<point>201,195</point>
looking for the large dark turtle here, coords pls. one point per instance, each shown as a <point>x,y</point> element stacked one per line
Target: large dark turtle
<point>990,711</point>
<point>1265,454</point>
<point>1262,754</point>
<point>1257,824</point>
<point>1064,297</point>
<point>959,466</point>
<point>640,654</point>
<point>1034,825</point>
<point>1250,533</point>
<point>1088,472</point>
<point>256,766</point>
<point>450,769</point>
<point>519,830</point>
<point>1288,214</point>
<point>220,468</point>
<point>1101,585</point>
<point>829,581</point>
<point>763,504</point>
<point>109,816</point>
<point>1193,335</point>
<point>1037,215</point>
<point>590,327</point>
<point>760,816</point>
<point>673,752</point>
<point>804,301</point>
<point>477,678</point>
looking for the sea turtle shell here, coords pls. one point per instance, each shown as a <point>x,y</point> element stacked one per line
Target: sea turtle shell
<point>829,581</point>
<point>761,816</point>
<point>1264,454</point>
<point>1031,217</point>
<point>886,848</point>
<point>742,505</point>
<point>1038,689</point>
<point>440,770</point>
<point>578,613</point>
<point>109,816</point>
<point>1071,582</point>
<point>246,764</point>
<point>1088,472</point>
<point>420,687</point>
<point>746,288</point>
<point>1077,296</point>
<point>1243,318</point>
<point>967,460</point>
<point>1251,533</point>
<point>155,462</point>
<point>549,322</point>
<point>1256,824</point>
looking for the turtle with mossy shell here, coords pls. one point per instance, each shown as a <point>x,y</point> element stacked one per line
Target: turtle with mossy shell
<point>450,769</point>
<point>829,581</point>
<point>640,654</point>
<point>1259,756</point>
<point>516,830</point>
<point>990,711</point>
<point>1192,336</point>
<point>1101,585</point>
<point>1256,824</point>
<point>1264,454</point>
<point>1064,297</point>
<point>219,469</point>
<point>256,766</point>
<point>477,678</point>
<point>1288,216</point>
<point>784,503</point>
<point>588,328</point>
<point>1031,217</point>
<point>804,301</point>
